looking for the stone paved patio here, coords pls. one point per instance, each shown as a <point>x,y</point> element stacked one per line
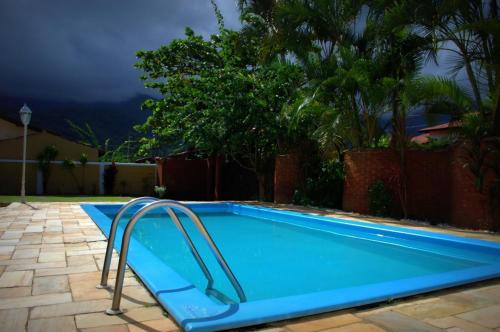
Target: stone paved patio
<point>50,260</point>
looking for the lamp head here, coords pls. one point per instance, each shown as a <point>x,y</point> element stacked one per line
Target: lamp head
<point>25,114</point>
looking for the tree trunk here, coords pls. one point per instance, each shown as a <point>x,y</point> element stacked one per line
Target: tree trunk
<point>473,83</point>
<point>400,140</point>
<point>262,187</point>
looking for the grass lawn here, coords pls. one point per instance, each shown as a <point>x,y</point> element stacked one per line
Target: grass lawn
<point>65,198</point>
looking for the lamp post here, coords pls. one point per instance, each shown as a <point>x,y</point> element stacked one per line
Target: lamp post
<point>25,114</point>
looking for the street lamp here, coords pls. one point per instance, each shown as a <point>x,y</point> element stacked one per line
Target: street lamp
<point>25,114</point>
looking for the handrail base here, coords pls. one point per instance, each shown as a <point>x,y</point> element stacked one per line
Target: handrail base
<point>113,312</point>
<point>103,286</point>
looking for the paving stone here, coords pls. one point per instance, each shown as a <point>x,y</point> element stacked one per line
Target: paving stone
<point>111,328</point>
<point>31,239</point>
<point>488,317</point>
<point>471,300</point>
<point>322,322</point>
<point>6,250</point>
<point>65,270</point>
<point>34,229</point>
<point>83,287</point>
<point>9,242</point>
<point>436,309</point>
<point>357,327</point>
<point>163,325</point>
<point>9,235</point>
<point>454,322</point>
<point>18,261</point>
<point>52,239</point>
<point>13,320</point>
<point>10,292</point>
<point>25,253</point>
<point>16,278</point>
<point>66,324</point>
<point>35,266</point>
<point>51,284</point>
<point>34,301</point>
<point>138,294</point>
<point>101,319</point>
<point>85,252</point>
<point>80,260</point>
<point>398,322</point>
<point>73,308</point>
<point>51,256</point>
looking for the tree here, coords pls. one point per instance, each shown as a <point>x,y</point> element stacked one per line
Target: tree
<point>218,98</point>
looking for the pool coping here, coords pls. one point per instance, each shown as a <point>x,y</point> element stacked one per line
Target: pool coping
<point>194,311</point>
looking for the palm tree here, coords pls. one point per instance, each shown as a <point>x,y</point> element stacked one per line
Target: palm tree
<point>470,31</point>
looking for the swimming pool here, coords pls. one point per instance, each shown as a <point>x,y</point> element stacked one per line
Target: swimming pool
<point>290,264</point>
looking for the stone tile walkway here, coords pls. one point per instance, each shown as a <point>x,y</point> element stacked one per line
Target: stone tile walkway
<point>51,255</point>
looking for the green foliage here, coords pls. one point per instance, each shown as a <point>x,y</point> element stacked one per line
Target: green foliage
<point>84,158</point>
<point>474,129</point>
<point>434,143</point>
<point>217,98</point>
<point>86,134</point>
<point>68,164</point>
<point>160,191</point>
<point>45,158</point>
<point>323,185</point>
<point>382,142</point>
<point>380,199</point>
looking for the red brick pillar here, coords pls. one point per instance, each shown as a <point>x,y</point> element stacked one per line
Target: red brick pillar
<point>287,177</point>
<point>160,171</point>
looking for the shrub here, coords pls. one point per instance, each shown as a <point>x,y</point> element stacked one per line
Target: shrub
<point>380,199</point>
<point>323,185</point>
<point>161,191</point>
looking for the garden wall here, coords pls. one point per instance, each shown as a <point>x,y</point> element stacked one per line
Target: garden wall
<point>287,176</point>
<point>439,187</point>
<point>131,180</point>
<point>195,179</point>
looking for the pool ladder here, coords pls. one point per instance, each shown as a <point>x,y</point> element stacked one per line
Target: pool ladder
<point>154,203</point>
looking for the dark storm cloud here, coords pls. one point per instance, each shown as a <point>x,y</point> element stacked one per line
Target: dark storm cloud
<point>85,50</point>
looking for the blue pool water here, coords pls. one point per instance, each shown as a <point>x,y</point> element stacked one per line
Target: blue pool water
<point>286,256</point>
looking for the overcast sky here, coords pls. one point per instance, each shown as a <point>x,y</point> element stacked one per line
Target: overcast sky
<point>85,49</point>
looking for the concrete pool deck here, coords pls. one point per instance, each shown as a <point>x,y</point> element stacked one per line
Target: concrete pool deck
<point>51,256</point>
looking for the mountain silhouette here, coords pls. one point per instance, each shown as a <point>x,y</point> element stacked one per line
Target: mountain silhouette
<point>113,120</point>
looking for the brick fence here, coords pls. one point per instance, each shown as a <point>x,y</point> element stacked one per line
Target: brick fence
<point>287,176</point>
<point>439,187</point>
<point>189,178</point>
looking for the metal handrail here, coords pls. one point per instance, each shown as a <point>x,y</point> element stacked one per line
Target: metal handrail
<point>115,308</point>
<point>112,235</point>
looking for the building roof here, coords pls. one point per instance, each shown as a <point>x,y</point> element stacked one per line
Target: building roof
<point>18,123</point>
<point>443,126</point>
<point>421,139</point>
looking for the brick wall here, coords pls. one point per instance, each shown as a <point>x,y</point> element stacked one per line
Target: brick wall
<point>428,182</point>
<point>195,179</point>
<point>287,176</point>
<point>361,169</point>
<point>439,188</point>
